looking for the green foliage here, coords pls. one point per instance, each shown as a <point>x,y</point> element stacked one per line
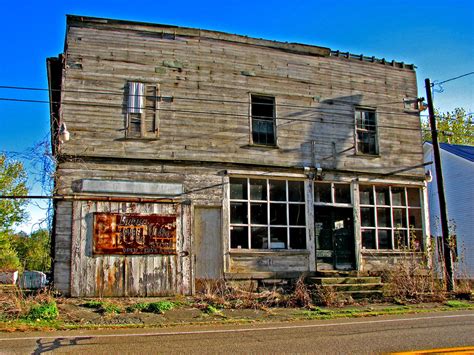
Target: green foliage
<point>152,307</point>
<point>454,127</point>
<point>34,250</point>
<point>12,211</point>
<point>103,307</point>
<point>457,304</point>
<point>45,311</point>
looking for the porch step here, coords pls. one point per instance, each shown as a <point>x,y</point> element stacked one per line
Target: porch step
<point>355,287</point>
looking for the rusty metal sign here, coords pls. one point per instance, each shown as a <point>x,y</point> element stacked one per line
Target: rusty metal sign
<point>134,234</point>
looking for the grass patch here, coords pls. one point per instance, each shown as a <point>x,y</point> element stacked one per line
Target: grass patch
<point>458,304</point>
<point>46,311</point>
<point>159,307</point>
<point>103,307</point>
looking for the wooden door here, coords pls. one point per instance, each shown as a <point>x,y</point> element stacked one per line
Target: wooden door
<point>207,245</point>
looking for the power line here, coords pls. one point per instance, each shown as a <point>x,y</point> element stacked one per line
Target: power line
<point>310,111</point>
<point>451,79</point>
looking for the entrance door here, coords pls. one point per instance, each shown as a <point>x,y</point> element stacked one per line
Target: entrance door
<point>207,245</point>
<point>334,228</point>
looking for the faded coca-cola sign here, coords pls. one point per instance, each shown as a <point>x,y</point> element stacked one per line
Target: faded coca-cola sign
<point>135,234</point>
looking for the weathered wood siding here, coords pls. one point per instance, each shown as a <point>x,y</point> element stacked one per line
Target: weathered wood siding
<point>120,275</point>
<point>210,76</point>
<point>62,247</point>
<point>272,261</point>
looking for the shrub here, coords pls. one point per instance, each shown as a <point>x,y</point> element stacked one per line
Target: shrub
<point>46,311</point>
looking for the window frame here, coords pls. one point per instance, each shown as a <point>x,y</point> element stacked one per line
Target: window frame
<point>149,112</point>
<point>374,132</point>
<point>253,118</point>
<point>406,229</point>
<point>268,203</point>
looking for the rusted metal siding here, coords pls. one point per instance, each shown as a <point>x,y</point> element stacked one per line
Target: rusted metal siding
<point>128,275</point>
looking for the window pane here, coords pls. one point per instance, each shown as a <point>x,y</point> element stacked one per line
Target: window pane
<point>258,213</point>
<point>296,191</point>
<point>417,242</point>
<point>259,238</point>
<point>398,196</point>
<point>263,132</point>
<point>382,194</point>
<point>400,239</point>
<point>399,218</point>
<point>238,189</point>
<point>278,213</point>
<point>414,217</point>
<point>262,106</point>
<point>342,193</point>
<point>366,195</point>
<point>258,189</point>
<point>385,239</point>
<point>383,217</point>
<point>238,212</point>
<point>277,190</point>
<point>297,215</point>
<point>368,239</point>
<point>367,216</point>
<point>322,192</point>
<point>278,238</point>
<point>239,237</point>
<point>297,238</point>
<point>413,197</point>
<point>366,142</point>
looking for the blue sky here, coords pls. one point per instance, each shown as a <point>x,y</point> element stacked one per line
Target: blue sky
<point>437,36</point>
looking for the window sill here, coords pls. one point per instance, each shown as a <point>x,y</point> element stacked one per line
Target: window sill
<point>388,252</point>
<point>260,146</point>
<point>365,155</point>
<point>137,139</point>
<point>258,252</point>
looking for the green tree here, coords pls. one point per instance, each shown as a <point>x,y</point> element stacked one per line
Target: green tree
<point>33,250</point>
<point>454,127</point>
<point>12,211</point>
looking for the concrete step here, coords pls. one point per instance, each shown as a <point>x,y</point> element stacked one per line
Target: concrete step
<point>356,287</point>
<point>372,294</point>
<point>344,280</point>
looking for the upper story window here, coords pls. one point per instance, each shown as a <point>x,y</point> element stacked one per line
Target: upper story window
<point>267,214</point>
<point>263,120</point>
<point>366,131</point>
<point>142,110</point>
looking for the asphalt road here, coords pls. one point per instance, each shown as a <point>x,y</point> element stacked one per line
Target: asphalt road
<point>343,336</point>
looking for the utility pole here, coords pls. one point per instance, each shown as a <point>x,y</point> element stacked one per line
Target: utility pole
<point>448,261</point>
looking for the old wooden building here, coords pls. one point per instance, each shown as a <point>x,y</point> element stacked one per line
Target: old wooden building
<point>185,154</point>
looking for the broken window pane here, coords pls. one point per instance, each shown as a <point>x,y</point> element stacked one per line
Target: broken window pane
<point>259,238</point>
<point>238,213</point>
<point>297,215</point>
<point>413,197</point>
<point>385,239</point>
<point>322,192</point>
<point>297,238</point>
<point>239,238</point>
<point>342,193</point>
<point>296,191</point>
<point>277,190</point>
<point>368,238</point>
<point>278,213</point>
<point>258,211</point>
<point>367,216</point>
